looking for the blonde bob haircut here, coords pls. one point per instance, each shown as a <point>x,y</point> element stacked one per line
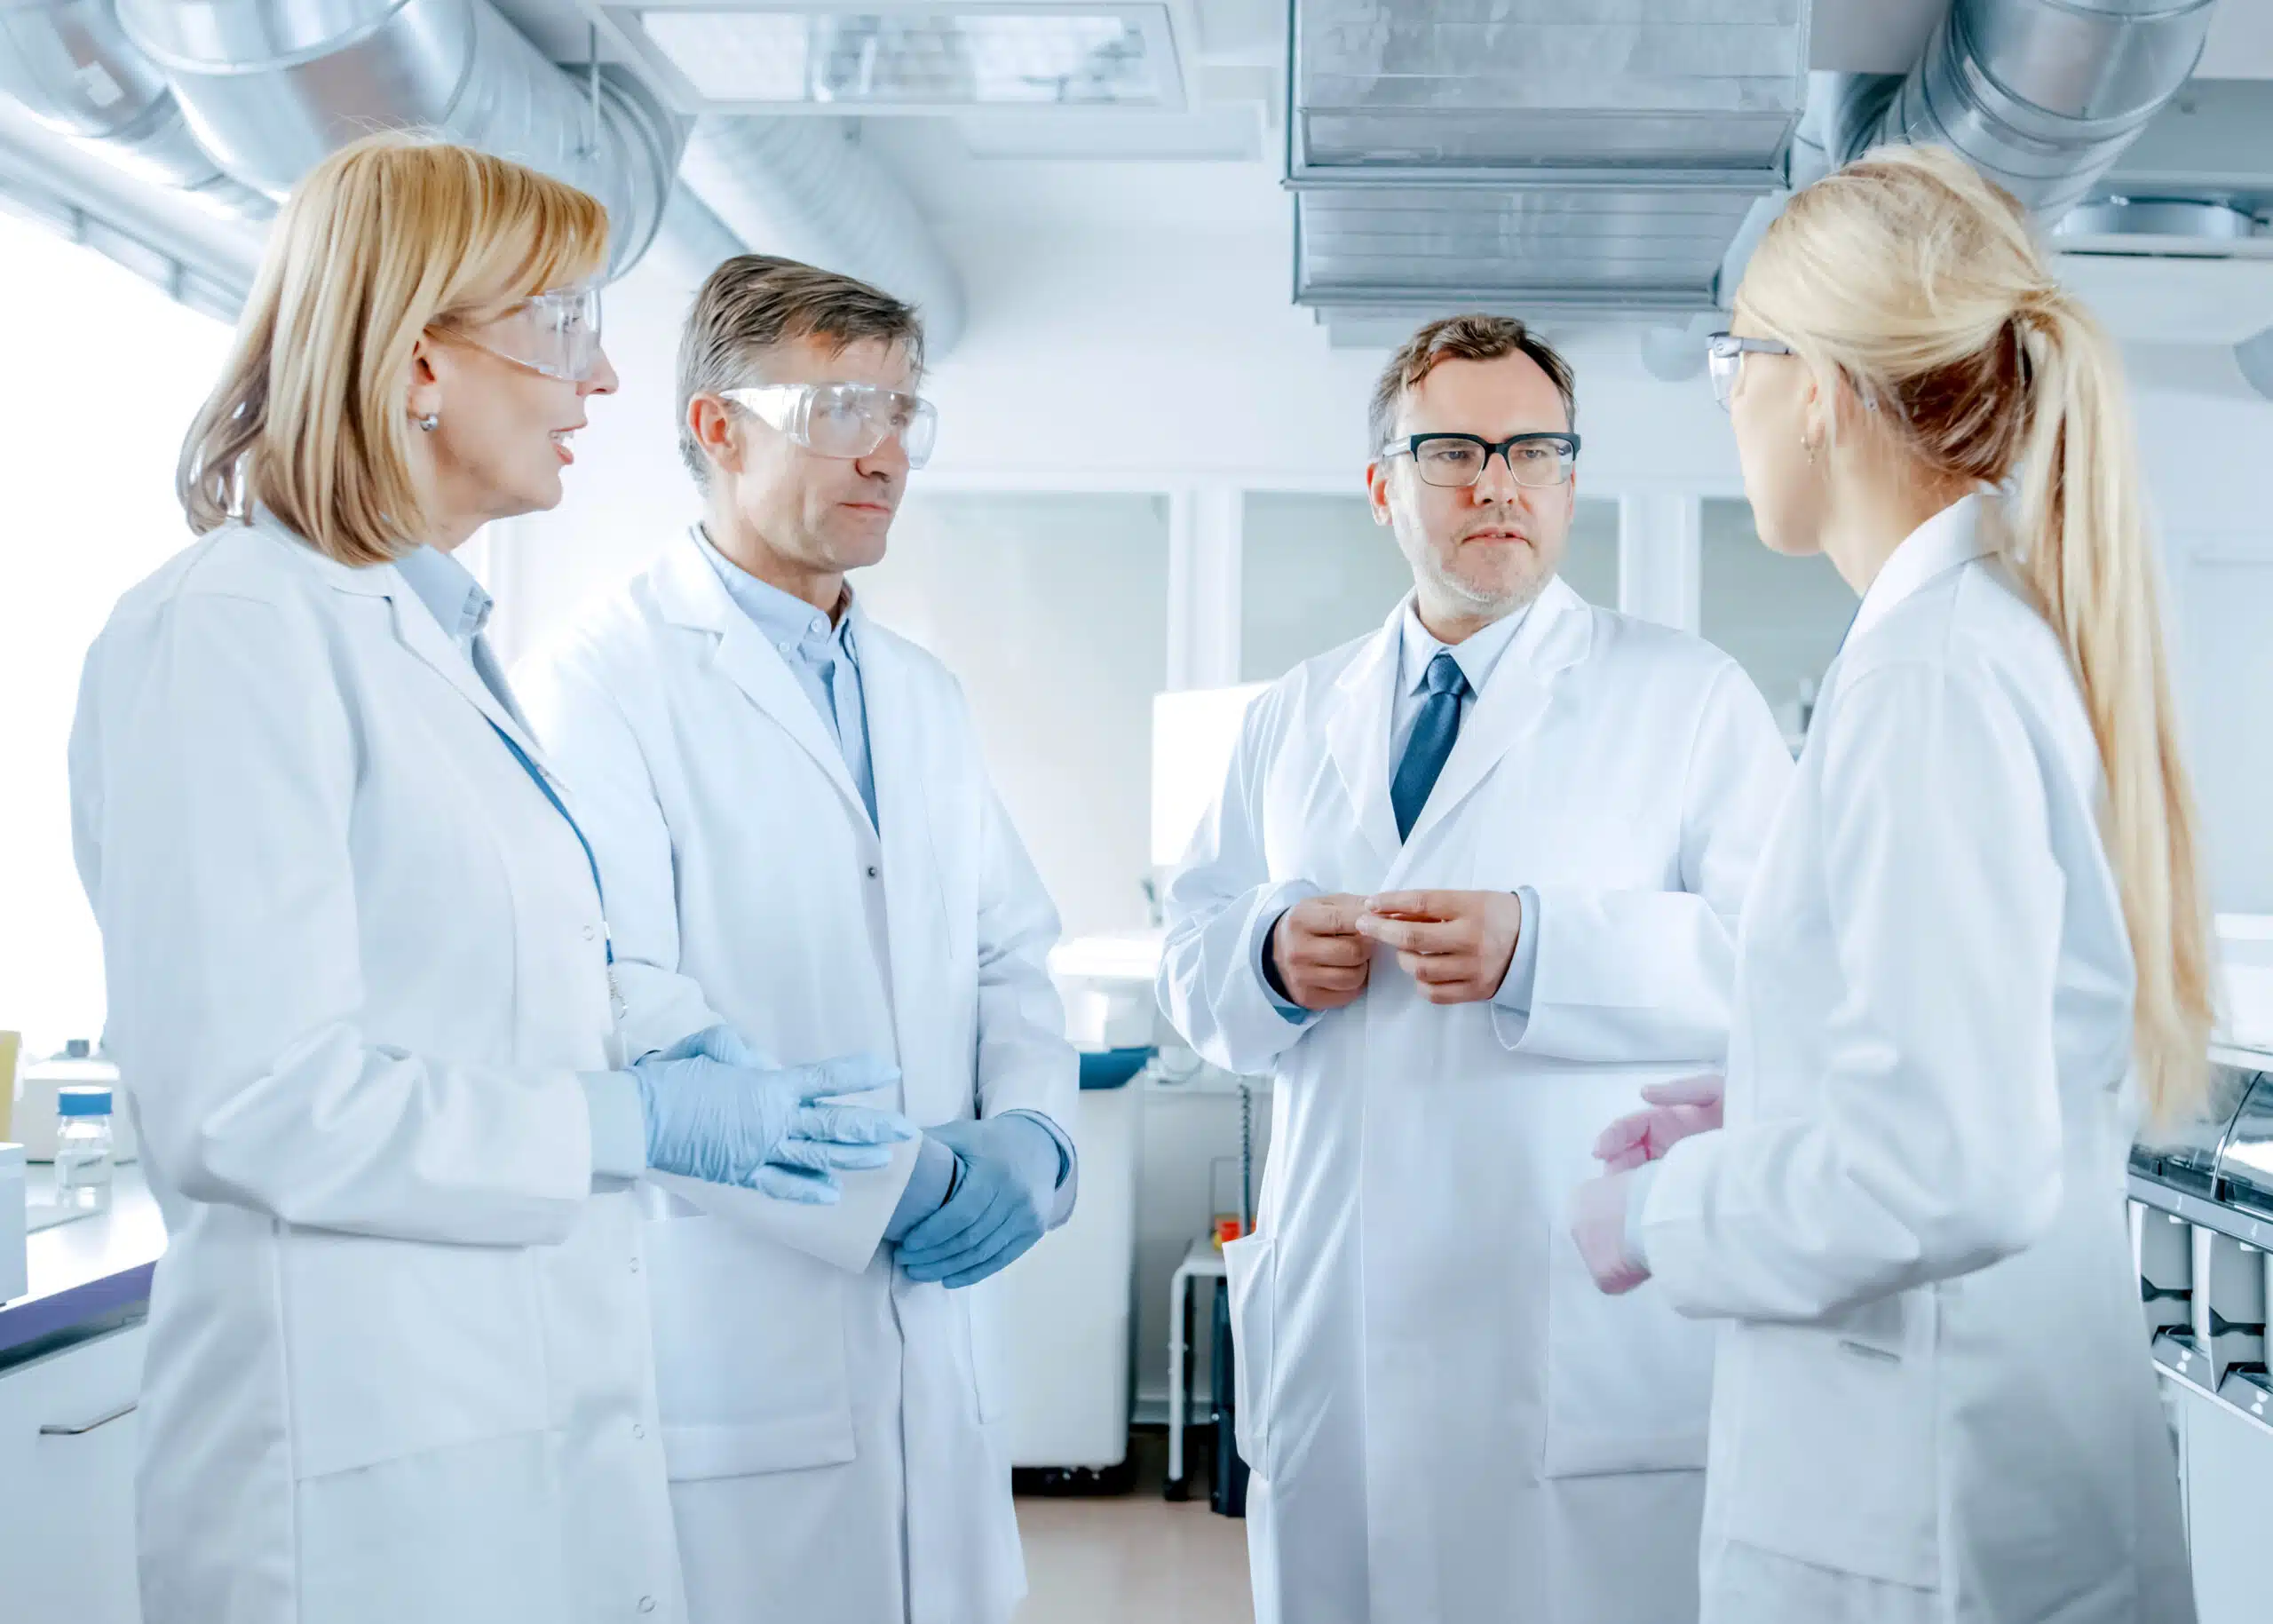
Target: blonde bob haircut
<point>1921,285</point>
<point>391,237</point>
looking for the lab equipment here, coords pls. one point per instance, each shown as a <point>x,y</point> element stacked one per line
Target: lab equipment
<point>83,1149</point>
<point>2202,1232</point>
<point>844,420</point>
<point>717,1109</point>
<point>1000,1206</point>
<point>77,1066</point>
<point>1227,1484</point>
<point>9,1046</point>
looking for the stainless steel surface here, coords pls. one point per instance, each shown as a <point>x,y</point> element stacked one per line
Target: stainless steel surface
<point>2124,216</point>
<point>271,86</point>
<point>61,1429</point>
<point>1593,156</point>
<point>72,68</point>
<point>2041,95</point>
<point>803,188</point>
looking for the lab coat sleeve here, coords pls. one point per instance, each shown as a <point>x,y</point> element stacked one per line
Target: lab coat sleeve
<point>591,742</point>
<point>1645,976</point>
<point>1934,1148</point>
<point>1025,1061</point>
<point>214,763</point>
<point>1220,899</point>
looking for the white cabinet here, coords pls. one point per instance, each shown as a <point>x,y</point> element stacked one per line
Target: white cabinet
<point>68,1438</point>
<point>2228,1458</point>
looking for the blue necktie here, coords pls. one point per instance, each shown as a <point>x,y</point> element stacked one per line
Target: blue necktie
<point>1433,733</point>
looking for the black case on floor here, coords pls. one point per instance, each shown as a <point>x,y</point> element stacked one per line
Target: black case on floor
<point>1227,1484</point>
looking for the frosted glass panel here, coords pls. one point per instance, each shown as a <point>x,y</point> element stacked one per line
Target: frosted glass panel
<point>1780,618</point>
<point>1315,571</point>
<point>2224,673</point>
<point>1053,612</point>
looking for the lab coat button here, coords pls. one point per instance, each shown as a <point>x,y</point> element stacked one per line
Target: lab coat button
<point>646,1603</point>
<point>638,1431</point>
<point>635,1265</point>
<point>872,871</point>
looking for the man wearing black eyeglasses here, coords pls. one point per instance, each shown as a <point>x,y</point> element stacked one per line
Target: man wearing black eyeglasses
<point>1470,879</point>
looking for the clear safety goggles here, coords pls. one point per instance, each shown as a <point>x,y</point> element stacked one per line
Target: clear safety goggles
<point>843,420</point>
<point>556,333</point>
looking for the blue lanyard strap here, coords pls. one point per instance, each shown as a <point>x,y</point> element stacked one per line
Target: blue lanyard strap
<point>539,780</point>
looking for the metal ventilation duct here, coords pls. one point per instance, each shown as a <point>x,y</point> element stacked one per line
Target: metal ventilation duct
<point>271,86</point>
<point>803,188</point>
<point>1539,154</point>
<point>73,69</point>
<point>2041,95</point>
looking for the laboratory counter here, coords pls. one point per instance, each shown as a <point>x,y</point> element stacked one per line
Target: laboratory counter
<point>87,1275</point>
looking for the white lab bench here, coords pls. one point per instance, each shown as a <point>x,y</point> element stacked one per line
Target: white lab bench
<point>70,1371</point>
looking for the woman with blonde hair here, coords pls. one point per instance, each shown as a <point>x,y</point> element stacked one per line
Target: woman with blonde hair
<point>360,985</point>
<point>1974,949</point>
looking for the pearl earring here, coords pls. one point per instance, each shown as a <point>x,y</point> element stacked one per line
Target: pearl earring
<point>430,422</point>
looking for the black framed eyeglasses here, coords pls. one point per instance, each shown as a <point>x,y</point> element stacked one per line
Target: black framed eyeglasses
<point>1724,354</point>
<point>1458,461</point>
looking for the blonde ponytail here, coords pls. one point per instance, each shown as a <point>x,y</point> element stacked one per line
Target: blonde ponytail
<point>2086,552</point>
<point>1920,282</point>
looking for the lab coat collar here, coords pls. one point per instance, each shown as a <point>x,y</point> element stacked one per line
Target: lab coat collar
<point>689,593</point>
<point>414,628</point>
<point>1555,634</point>
<point>1960,533</point>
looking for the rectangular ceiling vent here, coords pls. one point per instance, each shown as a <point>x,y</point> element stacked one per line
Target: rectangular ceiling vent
<point>886,57</point>
<point>1573,156</point>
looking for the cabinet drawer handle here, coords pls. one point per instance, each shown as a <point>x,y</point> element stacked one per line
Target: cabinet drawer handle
<point>57,1430</point>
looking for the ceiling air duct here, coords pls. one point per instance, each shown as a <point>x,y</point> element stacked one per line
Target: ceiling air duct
<point>2042,96</point>
<point>803,188</point>
<point>1540,157</point>
<point>270,87</point>
<point>75,71</point>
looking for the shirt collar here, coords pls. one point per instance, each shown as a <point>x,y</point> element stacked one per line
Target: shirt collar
<point>450,591</point>
<point>788,621</point>
<point>1955,536</point>
<point>1477,658</point>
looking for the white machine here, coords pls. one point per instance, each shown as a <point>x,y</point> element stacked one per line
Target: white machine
<point>1068,1301</point>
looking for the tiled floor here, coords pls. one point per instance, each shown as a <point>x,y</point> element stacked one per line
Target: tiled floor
<point>1134,1559</point>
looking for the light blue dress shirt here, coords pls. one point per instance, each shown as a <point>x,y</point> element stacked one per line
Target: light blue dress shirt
<point>462,608</point>
<point>823,657</point>
<point>1477,658</point>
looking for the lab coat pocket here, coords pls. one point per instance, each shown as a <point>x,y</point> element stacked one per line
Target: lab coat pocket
<point>1251,1271</point>
<point>1831,1450</point>
<point>749,1352</point>
<point>472,1532</point>
<point>1629,1382</point>
<point>398,1348</point>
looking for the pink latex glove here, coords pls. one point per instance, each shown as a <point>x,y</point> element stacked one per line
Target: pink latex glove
<point>1684,1106</point>
<point>1598,1226</point>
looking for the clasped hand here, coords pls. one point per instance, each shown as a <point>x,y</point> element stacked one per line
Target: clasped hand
<point>717,1109</point>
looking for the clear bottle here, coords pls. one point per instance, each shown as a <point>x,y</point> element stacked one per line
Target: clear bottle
<point>82,1148</point>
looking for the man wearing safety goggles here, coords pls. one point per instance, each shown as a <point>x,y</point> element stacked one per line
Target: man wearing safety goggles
<point>805,859</point>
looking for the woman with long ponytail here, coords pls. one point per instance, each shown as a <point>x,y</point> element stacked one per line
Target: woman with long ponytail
<point>1974,957</point>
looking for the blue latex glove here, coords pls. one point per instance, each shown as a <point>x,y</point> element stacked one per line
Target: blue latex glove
<point>718,1110</point>
<point>1009,1172</point>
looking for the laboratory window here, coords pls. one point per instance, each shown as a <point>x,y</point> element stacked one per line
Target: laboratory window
<point>1315,571</point>
<point>1052,609</point>
<point>1780,618</point>
<point>93,513</point>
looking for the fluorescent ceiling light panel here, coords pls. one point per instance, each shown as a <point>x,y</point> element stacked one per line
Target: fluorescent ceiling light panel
<point>899,59</point>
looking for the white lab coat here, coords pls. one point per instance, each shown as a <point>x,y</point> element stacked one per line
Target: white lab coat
<point>829,1432</point>
<point>1447,1422</point>
<point>399,1364</point>
<point>1936,1400</point>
